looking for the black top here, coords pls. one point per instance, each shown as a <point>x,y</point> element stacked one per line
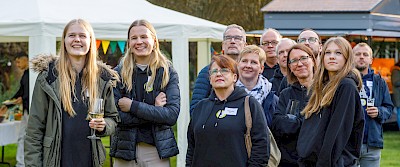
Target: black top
<point>76,148</point>
<point>276,80</point>
<point>23,90</point>
<point>286,128</point>
<point>144,130</point>
<point>219,141</point>
<point>268,71</point>
<point>333,137</point>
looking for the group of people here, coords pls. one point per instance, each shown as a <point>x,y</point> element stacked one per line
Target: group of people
<point>322,102</point>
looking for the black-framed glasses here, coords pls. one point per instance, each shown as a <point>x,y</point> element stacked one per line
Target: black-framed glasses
<point>272,43</point>
<point>303,60</point>
<point>236,38</point>
<point>223,71</point>
<point>310,40</point>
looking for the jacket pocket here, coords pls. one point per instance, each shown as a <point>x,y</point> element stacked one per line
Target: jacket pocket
<point>47,142</point>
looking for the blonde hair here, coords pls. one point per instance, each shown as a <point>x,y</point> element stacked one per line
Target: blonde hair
<point>253,49</point>
<point>324,88</point>
<point>67,74</point>
<point>362,44</point>
<point>157,60</point>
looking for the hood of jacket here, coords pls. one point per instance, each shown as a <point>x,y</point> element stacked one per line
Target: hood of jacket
<point>43,62</point>
<point>235,95</point>
<point>354,77</point>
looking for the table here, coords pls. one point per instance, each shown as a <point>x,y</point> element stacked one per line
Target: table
<point>8,135</point>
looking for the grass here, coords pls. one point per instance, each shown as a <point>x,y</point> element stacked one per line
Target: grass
<point>390,153</point>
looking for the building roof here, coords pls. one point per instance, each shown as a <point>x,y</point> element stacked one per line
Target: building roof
<point>320,5</point>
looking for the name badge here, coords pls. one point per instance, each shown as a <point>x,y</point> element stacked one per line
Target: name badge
<point>230,111</point>
<point>369,83</point>
<point>370,102</point>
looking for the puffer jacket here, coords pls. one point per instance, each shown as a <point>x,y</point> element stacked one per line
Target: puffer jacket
<point>123,144</point>
<point>202,88</point>
<point>43,133</point>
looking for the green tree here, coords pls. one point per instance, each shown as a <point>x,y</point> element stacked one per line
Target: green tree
<point>246,13</point>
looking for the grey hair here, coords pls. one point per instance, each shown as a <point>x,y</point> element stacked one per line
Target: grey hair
<point>273,30</point>
<point>237,27</point>
<point>283,40</point>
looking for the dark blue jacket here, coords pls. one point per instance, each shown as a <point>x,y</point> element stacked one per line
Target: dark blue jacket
<point>276,81</point>
<point>202,88</point>
<point>269,106</point>
<point>123,144</point>
<point>385,106</point>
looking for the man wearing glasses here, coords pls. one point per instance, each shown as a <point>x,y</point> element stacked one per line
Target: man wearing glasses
<point>311,39</point>
<point>234,41</point>
<point>268,42</point>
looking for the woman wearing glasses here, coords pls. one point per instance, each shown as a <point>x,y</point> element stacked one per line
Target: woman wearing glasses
<point>331,134</point>
<point>217,127</point>
<point>148,102</point>
<point>287,118</point>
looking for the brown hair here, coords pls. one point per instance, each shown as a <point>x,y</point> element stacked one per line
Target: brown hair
<point>291,78</point>
<point>324,88</point>
<point>224,61</point>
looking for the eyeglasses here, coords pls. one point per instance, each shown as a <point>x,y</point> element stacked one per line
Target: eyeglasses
<point>236,38</point>
<point>223,71</point>
<point>310,40</point>
<point>266,43</point>
<point>302,59</point>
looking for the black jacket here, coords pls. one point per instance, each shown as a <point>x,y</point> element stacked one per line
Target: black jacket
<point>220,142</point>
<point>23,90</point>
<point>276,80</point>
<point>123,144</point>
<point>285,129</point>
<point>333,137</point>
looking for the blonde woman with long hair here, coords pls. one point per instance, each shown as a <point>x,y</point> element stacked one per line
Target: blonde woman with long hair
<point>331,134</point>
<point>65,92</point>
<point>148,102</point>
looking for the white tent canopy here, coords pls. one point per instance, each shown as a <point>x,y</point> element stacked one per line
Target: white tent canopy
<point>41,22</point>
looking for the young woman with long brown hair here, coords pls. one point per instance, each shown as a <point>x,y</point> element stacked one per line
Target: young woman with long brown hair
<point>331,134</point>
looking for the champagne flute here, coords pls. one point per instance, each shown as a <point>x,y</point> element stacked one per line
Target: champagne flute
<point>96,113</point>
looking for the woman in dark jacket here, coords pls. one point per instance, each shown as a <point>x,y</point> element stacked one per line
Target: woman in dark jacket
<point>217,127</point>
<point>331,134</point>
<point>148,102</point>
<point>287,119</point>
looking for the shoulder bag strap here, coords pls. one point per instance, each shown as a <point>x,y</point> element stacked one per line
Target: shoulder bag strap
<point>249,124</point>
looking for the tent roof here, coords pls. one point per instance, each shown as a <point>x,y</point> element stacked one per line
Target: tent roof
<point>110,19</point>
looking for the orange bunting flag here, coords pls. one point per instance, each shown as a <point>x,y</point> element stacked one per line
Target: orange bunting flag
<point>98,44</point>
<point>105,45</point>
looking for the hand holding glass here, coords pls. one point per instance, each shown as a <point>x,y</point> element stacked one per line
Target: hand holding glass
<point>96,113</point>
